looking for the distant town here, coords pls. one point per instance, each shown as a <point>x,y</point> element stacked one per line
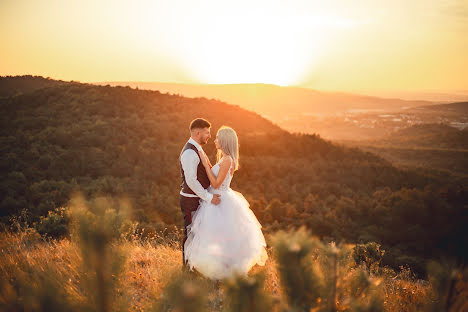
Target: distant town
<point>357,124</point>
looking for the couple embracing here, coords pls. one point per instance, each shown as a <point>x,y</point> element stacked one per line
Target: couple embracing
<point>222,236</point>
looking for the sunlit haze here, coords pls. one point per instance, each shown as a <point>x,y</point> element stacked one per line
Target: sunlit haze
<point>329,45</point>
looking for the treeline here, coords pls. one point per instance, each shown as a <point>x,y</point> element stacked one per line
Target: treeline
<point>17,85</point>
<point>120,141</point>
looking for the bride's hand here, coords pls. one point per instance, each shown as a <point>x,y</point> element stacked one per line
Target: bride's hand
<point>204,159</point>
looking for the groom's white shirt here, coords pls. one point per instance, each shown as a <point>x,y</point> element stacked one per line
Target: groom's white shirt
<point>190,160</point>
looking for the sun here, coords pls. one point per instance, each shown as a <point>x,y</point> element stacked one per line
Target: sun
<point>251,51</point>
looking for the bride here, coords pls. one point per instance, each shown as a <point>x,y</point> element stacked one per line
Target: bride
<point>224,239</point>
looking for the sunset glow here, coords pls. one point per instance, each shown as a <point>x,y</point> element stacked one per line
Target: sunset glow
<point>337,45</point>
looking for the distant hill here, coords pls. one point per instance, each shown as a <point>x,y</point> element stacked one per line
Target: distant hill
<point>276,102</point>
<point>434,145</point>
<point>455,113</point>
<point>458,107</point>
<point>428,135</point>
<point>121,141</point>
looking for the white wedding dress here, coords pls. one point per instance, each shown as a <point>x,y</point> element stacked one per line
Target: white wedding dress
<point>224,239</point>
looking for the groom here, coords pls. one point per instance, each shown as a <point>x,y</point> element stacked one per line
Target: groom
<point>194,178</point>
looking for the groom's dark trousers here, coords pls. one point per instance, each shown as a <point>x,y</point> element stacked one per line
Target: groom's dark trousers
<point>187,205</point>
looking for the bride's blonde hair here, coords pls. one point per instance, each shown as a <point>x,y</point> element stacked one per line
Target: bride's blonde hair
<point>227,140</point>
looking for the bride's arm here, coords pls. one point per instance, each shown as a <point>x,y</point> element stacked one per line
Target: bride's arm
<point>209,162</point>
<point>223,170</point>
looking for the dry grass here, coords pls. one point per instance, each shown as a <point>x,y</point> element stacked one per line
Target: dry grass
<point>146,270</point>
<point>406,295</point>
<point>148,267</point>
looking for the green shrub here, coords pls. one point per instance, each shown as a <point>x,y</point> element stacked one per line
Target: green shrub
<point>185,293</point>
<point>300,280</point>
<point>450,285</point>
<point>97,227</point>
<point>55,224</point>
<point>369,254</point>
<point>246,294</point>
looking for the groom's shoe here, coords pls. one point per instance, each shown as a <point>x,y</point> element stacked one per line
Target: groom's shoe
<point>186,270</point>
<point>185,267</point>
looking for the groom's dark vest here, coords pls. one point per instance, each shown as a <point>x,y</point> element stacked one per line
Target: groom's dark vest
<point>202,177</point>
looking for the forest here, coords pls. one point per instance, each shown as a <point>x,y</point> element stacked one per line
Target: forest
<point>58,138</point>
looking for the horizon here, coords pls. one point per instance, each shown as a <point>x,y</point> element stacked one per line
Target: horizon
<point>434,96</point>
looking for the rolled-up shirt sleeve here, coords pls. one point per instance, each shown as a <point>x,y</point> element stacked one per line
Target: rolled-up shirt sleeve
<point>190,161</point>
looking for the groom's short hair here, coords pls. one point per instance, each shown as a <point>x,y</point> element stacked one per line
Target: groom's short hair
<point>199,123</point>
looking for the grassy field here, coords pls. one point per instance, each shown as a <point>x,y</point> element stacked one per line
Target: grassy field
<point>36,273</point>
<point>105,263</point>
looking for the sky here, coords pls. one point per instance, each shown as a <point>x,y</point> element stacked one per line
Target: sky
<point>339,45</point>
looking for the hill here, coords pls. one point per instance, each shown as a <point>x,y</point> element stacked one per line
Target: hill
<point>125,142</point>
<point>433,145</point>
<point>458,107</point>
<point>428,135</point>
<point>16,85</point>
<point>455,114</point>
<point>277,102</point>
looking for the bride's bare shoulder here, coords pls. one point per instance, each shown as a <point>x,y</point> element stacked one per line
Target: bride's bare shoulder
<point>225,161</point>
